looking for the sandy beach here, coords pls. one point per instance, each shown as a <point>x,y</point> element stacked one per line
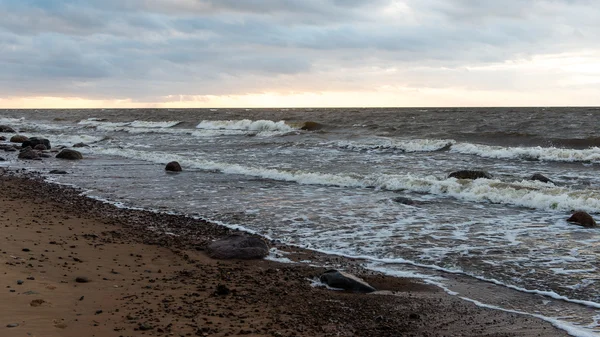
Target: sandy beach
<point>73,266</point>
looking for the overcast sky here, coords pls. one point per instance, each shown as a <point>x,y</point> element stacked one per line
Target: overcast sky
<point>169,53</point>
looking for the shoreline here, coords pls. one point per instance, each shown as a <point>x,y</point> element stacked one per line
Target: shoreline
<point>149,275</point>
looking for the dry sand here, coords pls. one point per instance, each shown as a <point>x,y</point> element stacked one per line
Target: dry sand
<point>146,282</point>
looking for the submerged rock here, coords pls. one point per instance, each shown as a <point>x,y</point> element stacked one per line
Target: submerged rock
<point>238,247</point>
<point>470,174</point>
<point>173,167</point>
<point>2,138</point>
<point>34,141</point>
<point>18,139</point>
<point>311,126</point>
<point>583,219</point>
<point>404,201</point>
<point>40,147</point>
<point>69,154</point>
<point>540,177</point>
<point>6,128</point>
<point>342,280</point>
<point>28,153</point>
<point>80,145</point>
<point>57,172</point>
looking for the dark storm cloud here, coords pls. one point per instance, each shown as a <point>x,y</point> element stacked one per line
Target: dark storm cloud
<point>143,49</point>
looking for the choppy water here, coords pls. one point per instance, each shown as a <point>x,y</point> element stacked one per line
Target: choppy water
<point>333,188</point>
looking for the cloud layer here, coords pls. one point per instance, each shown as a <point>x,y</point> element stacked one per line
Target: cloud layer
<point>148,50</point>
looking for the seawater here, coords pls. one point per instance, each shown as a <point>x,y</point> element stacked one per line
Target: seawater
<point>332,188</point>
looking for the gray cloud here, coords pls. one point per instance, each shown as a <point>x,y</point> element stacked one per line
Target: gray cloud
<point>145,50</point>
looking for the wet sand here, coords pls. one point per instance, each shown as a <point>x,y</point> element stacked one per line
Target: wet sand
<point>148,275</point>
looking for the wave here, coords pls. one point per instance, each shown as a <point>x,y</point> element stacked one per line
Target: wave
<point>246,125</point>
<point>555,154</point>
<point>591,155</point>
<point>102,124</point>
<point>412,145</point>
<point>525,193</point>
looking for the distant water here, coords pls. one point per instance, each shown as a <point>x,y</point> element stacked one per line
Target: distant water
<point>332,188</point>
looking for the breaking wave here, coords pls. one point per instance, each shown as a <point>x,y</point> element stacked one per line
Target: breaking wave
<point>246,125</point>
<point>389,144</point>
<point>591,155</point>
<point>531,194</point>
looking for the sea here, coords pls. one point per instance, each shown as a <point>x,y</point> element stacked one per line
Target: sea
<point>367,183</point>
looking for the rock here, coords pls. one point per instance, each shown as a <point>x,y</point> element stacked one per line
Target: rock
<point>2,159</point>
<point>69,154</point>
<point>173,167</point>
<point>19,282</point>
<point>342,280</point>
<point>6,129</point>
<point>28,153</point>
<point>80,145</point>
<point>2,138</point>
<point>40,147</point>
<point>82,279</point>
<point>222,290</point>
<point>57,172</point>
<point>37,303</point>
<point>311,126</point>
<point>9,149</point>
<point>18,139</point>
<point>34,141</point>
<point>12,325</point>
<point>145,326</point>
<point>470,174</point>
<point>238,247</point>
<point>404,201</point>
<point>541,177</point>
<point>583,219</point>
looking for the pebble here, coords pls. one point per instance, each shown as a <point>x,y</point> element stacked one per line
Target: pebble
<point>145,327</point>
<point>82,279</point>
<point>12,325</point>
<point>19,282</point>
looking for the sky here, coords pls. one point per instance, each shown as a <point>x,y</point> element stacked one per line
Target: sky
<point>298,53</point>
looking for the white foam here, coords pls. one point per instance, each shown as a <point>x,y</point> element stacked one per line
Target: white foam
<point>246,125</point>
<point>529,153</point>
<point>135,126</point>
<point>410,145</point>
<point>152,125</point>
<point>532,194</point>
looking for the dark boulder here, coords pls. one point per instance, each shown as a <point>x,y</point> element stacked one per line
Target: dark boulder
<point>80,145</point>
<point>18,139</point>
<point>57,172</point>
<point>2,159</point>
<point>8,148</point>
<point>541,177</point>
<point>2,138</point>
<point>6,128</point>
<point>34,141</point>
<point>311,126</point>
<point>238,247</point>
<point>40,147</point>
<point>69,154</point>
<point>173,167</point>
<point>28,153</point>
<point>583,219</point>
<point>470,174</point>
<point>342,280</point>
<point>404,201</point>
